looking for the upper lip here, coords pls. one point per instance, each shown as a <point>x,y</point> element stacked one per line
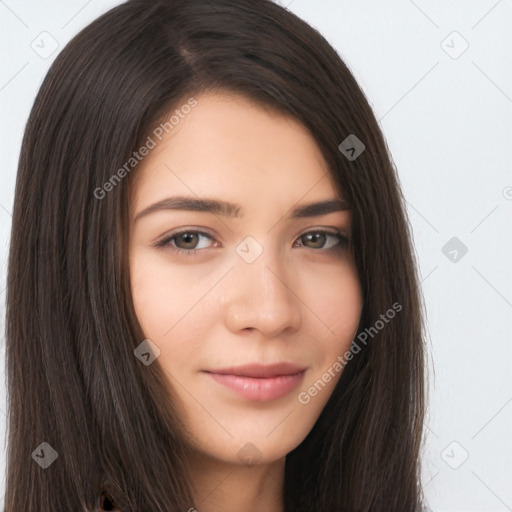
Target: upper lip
<point>261,370</point>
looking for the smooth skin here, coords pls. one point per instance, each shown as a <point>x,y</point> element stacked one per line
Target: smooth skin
<point>298,301</point>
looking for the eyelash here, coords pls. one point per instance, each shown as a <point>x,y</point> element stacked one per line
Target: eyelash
<point>342,245</point>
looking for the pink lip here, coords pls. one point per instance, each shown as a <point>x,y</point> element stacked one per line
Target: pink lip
<point>260,382</point>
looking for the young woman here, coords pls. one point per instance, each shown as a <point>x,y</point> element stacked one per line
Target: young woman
<point>212,299</point>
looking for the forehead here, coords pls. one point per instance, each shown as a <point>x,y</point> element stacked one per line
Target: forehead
<point>230,146</point>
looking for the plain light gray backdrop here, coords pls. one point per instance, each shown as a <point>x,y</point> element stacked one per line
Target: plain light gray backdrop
<point>439,78</point>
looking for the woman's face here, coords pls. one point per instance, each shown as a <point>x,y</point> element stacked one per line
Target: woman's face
<point>255,278</point>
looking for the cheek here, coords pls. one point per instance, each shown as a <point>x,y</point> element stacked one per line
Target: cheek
<point>160,297</point>
<point>337,302</point>
<point>149,297</point>
<point>172,312</point>
<point>334,303</point>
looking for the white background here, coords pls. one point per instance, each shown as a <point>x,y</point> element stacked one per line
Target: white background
<point>447,118</point>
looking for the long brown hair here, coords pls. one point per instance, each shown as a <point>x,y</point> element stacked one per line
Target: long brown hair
<point>73,380</point>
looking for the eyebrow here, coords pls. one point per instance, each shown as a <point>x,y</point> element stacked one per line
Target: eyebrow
<point>232,210</point>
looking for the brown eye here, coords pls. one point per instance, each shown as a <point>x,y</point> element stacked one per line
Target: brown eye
<point>186,240</point>
<point>319,239</point>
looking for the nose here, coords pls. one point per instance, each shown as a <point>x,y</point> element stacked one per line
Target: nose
<point>261,296</point>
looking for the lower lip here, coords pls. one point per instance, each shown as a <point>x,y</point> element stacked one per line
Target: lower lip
<point>262,390</point>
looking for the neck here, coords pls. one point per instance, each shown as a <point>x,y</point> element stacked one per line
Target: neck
<point>219,486</point>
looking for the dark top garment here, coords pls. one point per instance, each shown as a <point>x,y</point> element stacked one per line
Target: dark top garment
<point>107,503</point>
